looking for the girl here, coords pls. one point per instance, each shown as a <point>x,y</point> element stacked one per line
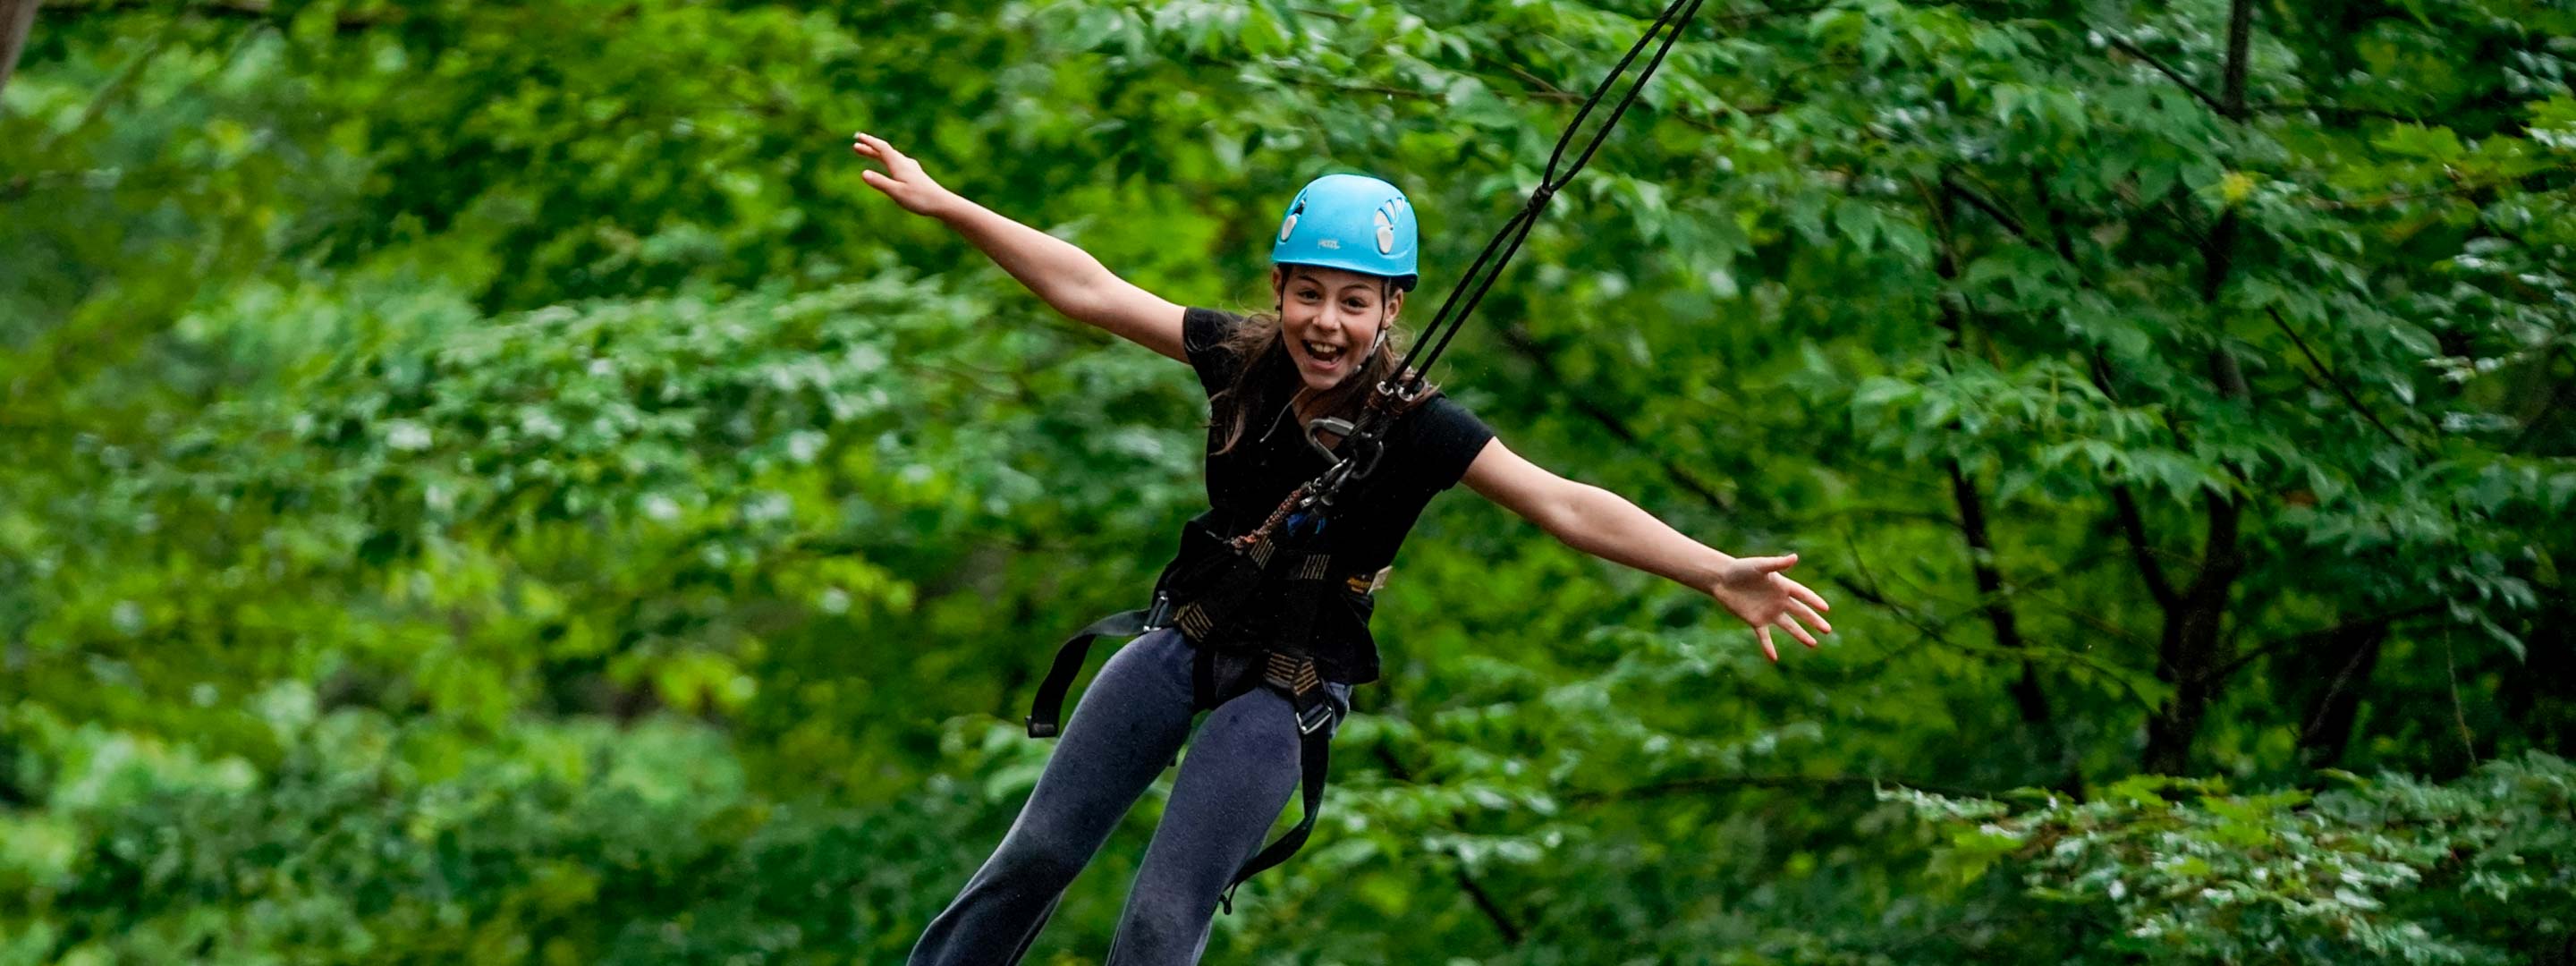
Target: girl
<point>1342,261</point>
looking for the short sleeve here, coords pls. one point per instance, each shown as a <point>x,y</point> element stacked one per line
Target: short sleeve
<point>1203,335</point>
<point>1444,439</point>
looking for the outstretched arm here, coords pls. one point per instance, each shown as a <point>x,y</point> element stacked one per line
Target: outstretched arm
<point>1067,277</point>
<point>1605,525</point>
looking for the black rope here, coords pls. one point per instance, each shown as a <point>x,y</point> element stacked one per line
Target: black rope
<point>1472,287</point>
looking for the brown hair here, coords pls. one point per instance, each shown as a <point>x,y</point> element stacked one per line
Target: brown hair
<point>1258,344</point>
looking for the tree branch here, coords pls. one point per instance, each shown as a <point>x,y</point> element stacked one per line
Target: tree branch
<point>1723,783</point>
<point>2557,395</point>
<point>2056,217</point>
<point>2240,35</point>
<point>1485,904</point>
<point>2318,748</point>
<point>2305,638</point>
<point>1542,89</point>
<point>2459,714</point>
<point>1503,924</point>
<point>1931,633</point>
<point>17,20</point>
<point>2124,46</point>
<point>2277,107</point>
<point>2463,187</point>
<point>1371,90</point>
<point>107,93</point>
<point>2133,526</point>
<point>1539,87</point>
<point>2345,391</point>
<point>1520,341</point>
<point>1741,19</point>
<point>230,9</point>
<point>1992,210</point>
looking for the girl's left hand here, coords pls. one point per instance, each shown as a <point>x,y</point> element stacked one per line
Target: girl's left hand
<point>1756,590</point>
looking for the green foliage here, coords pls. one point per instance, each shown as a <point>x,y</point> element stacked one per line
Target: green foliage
<point>490,483</point>
<point>2481,870</point>
<point>373,842</point>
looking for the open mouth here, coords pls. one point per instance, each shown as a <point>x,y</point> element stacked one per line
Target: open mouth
<point>1324,353</point>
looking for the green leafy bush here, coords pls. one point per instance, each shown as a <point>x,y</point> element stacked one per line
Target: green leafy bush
<point>2393,869</point>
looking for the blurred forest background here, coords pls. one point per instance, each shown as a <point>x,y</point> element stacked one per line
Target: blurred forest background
<point>486,482</point>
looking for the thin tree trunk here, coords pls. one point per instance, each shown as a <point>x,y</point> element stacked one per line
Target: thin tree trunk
<point>2540,695</point>
<point>11,796</point>
<point>2192,648</point>
<point>2027,692</point>
<point>17,19</point>
<point>2345,664</point>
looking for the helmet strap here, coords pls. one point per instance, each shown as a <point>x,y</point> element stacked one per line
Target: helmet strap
<point>1386,317</point>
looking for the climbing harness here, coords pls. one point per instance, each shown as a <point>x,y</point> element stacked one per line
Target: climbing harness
<point>1203,591</point>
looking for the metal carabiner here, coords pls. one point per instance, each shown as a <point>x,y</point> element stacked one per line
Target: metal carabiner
<point>1367,455</point>
<point>1339,427</point>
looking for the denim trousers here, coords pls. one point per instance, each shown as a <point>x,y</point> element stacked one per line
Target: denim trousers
<point>1240,772</point>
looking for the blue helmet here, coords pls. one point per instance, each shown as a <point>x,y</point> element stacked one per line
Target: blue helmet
<point>1352,222</point>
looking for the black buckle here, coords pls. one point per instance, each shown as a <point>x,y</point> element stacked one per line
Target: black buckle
<point>1314,718</point>
<point>1159,616</point>
<point>1041,729</point>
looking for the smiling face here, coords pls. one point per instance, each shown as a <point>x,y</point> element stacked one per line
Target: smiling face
<point>1331,319</point>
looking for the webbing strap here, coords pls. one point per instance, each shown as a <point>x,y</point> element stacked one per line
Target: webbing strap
<point>1198,619</point>
<point>1292,673</point>
<point>1314,758</point>
<point>1046,714</point>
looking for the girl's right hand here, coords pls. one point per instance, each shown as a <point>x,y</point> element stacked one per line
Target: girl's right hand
<point>902,179</point>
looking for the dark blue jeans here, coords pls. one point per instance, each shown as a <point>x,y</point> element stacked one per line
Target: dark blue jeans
<point>1241,770</point>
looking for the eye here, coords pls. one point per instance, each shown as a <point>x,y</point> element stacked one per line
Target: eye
<point>1355,304</point>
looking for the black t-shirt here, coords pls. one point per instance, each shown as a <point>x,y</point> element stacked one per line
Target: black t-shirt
<point>1427,451</point>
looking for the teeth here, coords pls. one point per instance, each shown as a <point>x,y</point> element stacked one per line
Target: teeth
<point>1324,351</point>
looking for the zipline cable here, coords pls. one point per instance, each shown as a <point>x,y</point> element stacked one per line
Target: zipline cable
<point>1478,280</point>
